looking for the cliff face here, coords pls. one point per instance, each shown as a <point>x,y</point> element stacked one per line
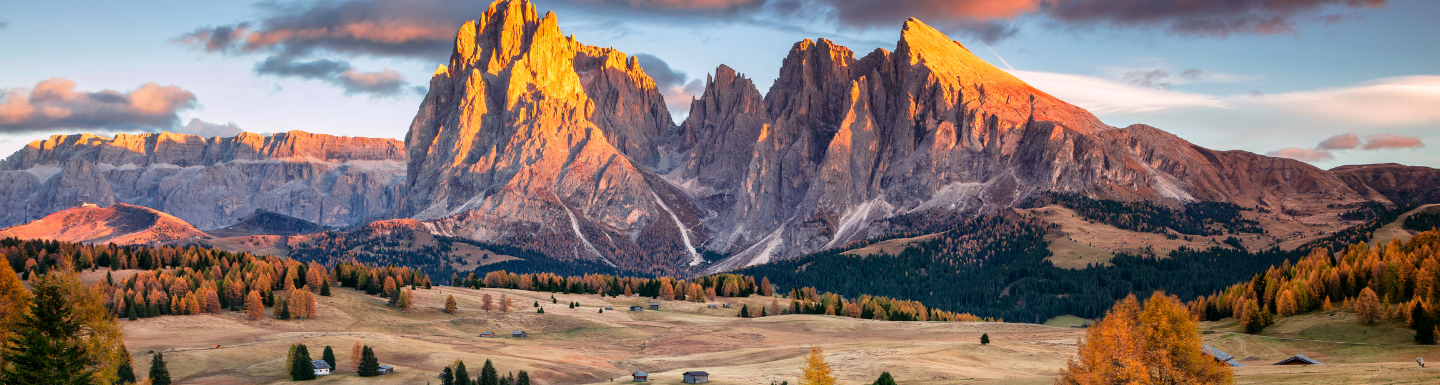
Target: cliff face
<point>530,137</point>
<point>209,182</point>
<point>844,143</point>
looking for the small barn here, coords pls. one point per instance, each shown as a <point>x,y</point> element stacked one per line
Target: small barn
<point>609,308</point>
<point>725,305</point>
<point>1299,359</point>
<point>520,334</point>
<point>386,369</point>
<point>641,376</point>
<point>654,306</point>
<point>1220,356</point>
<point>713,306</point>
<point>321,367</point>
<point>696,377</point>
<point>487,334</point>
<point>636,308</point>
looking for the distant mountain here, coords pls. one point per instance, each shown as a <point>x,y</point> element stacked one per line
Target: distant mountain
<point>1397,183</point>
<point>210,182</point>
<point>265,222</point>
<point>120,224</point>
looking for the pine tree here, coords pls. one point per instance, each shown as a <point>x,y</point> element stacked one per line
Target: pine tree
<point>816,371</point>
<point>488,374</point>
<point>130,313</point>
<point>447,376</point>
<point>329,356</point>
<point>126,374</point>
<point>45,339</point>
<point>540,310</point>
<point>572,305</point>
<point>744,311</point>
<point>537,303</point>
<point>1423,325</point>
<point>450,304</point>
<point>522,378</point>
<point>325,288</point>
<point>884,379</point>
<point>985,338</point>
<point>369,365</point>
<point>462,377</point>
<point>159,374</point>
<point>301,369</point>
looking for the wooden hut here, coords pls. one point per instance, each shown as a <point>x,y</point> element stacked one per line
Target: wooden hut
<point>696,377</point>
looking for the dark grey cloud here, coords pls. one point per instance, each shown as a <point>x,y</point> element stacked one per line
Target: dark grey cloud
<point>1204,18</point>
<point>207,129</point>
<point>1153,79</point>
<point>56,104</point>
<point>677,88</point>
<point>1195,74</point>
<point>338,73</point>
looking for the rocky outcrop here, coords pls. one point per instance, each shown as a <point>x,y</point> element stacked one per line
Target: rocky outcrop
<point>1396,183</point>
<point>120,224</point>
<point>209,182</point>
<point>850,142</point>
<point>532,138</point>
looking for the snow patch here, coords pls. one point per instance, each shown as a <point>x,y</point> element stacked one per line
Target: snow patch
<point>695,258</point>
<point>43,172</point>
<point>575,225</point>
<point>857,217</point>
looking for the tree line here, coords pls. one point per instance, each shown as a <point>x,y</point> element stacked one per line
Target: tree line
<point>1197,218</point>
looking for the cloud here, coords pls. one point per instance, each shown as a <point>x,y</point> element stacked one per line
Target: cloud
<point>1152,79</point>
<point>390,28</point>
<point>672,84</point>
<point>385,83</point>
<point>1203,18</point>
<point>54,104</point>
<point>207,129</point>
<point>1396,101</point>
<point>1302,154</point>
<point>1102,96</point>
<point>1389,141</point>
<point>1340,142</point>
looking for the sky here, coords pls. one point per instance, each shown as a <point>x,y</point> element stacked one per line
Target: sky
<point>1329,82</point>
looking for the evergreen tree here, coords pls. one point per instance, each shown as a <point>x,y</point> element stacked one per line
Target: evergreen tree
<point>553,300</point>
<point>488,374</point>
<point>572,305</point>
<point>159,374</point>
<point>130,313</point>
<point>985,338</point>
<point>744,311</point>
<point>509,379</point>
<point>45,341</point>
<point>301,369</point>
<point>369,365</point>
<point>325,288</point>
<point>329,356</point>
<point>602,310</point>
<point>126,374</point>
<point>1423,325</point>
<point>540,310</point>
<point>537,303</point>
<point>884,379</point>
<point>462,377</point>
<point>522,378</point>
<point>447,377</point>
<point>284,312</point>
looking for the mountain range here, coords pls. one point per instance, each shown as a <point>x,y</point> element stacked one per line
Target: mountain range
<point>531,139</point>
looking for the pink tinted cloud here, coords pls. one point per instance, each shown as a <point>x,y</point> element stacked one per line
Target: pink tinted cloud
<point>55,103</point>
<point>1340,142</point>
<point>1302,154</point>
<point>1391,141</point>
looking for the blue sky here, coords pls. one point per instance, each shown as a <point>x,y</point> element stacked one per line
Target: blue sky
<point>1275,76</point>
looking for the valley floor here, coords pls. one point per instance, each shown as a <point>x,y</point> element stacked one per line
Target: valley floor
<point>583,346</point>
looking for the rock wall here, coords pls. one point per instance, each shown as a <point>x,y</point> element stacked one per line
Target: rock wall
<point>209,182</point>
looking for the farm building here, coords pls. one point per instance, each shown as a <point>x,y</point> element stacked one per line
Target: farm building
<point>636,308</point>
<point>713,306</point>
<point>1299,359</point>
<point>386,369</point>
<point>641,376</point>
<point>609,308</point>
<point>1220,356</point>
<point>487,334</point>
<point>321,367</point>
<point>696,377</point>
<point>654,306</point>
<point>725,305</point>
<point>520,334</point>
